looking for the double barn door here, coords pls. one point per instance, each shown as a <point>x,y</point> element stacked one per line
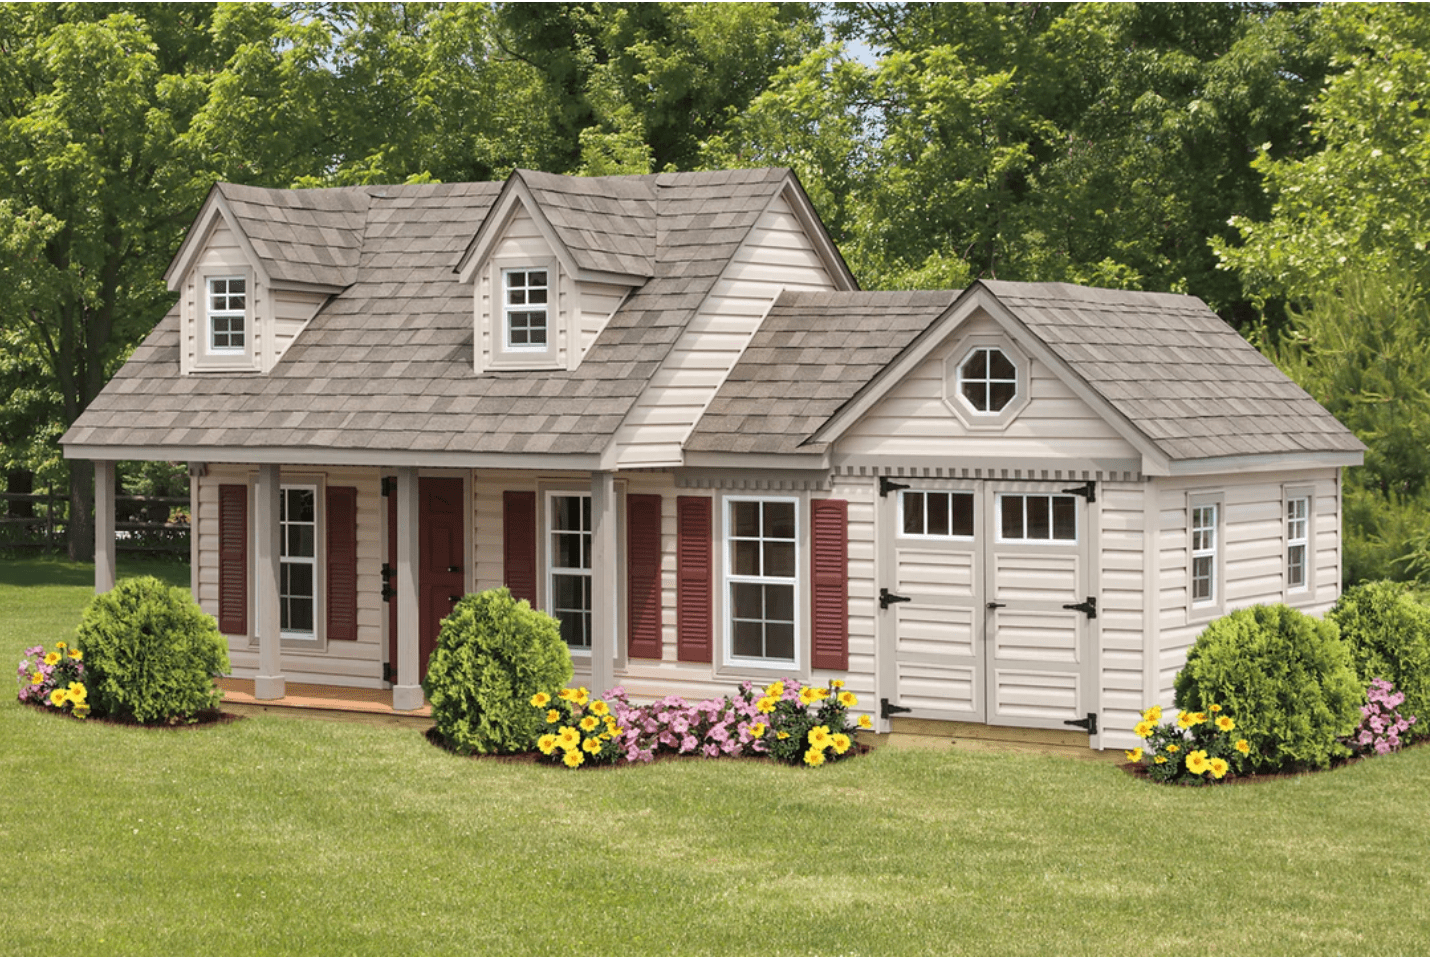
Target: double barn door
<point>986,601</point>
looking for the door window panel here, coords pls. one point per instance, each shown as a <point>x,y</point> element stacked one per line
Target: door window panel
<point>1037,517</point>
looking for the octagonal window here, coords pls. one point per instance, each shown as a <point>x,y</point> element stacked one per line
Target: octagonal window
<point>988,379</point>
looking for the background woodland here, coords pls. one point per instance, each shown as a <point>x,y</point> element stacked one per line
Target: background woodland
<point>1272,159</point>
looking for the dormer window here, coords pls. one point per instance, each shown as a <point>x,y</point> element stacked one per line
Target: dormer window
<point>525,297</point>
<point>986,381</point>
<point>227,305</point>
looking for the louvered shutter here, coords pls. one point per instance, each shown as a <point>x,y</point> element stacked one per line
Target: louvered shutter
<point>233,558</point>
<point>693,592</point>
<point>519,543</point>
<point>643,631</point>
<point>341,520</point>
<point>829,563</point>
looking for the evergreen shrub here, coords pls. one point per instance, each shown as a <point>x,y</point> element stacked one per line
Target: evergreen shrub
<point>1388,633</point>
<point>150,654</point>
<point>1285,676</point>
<point>494,654</point>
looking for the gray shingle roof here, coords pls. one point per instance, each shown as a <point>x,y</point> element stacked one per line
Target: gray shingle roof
<point>1183,378</point>
<point>387,364</point>
<point>302,236</point>
<point>608,223</point>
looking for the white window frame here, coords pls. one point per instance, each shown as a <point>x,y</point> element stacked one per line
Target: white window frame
<point>285,560</point>
<point>1206,533</point>
<point>553,571</point>
<point>730,579</point>
<point>989,380</point>
<point>950,494</point>
<point>998,519</point>
<point>508,308</point>
<point>1298,532</point>
<point>211,315</point>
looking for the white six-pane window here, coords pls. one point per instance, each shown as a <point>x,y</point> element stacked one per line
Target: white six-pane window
<point>762,579</point>
<point>1297,529</point>
<point>936,513</point>
<point>298,561</point>
<point>227,307</point>
<point>1204,553</point>
<point>568,561</point>
<point>525,296</point>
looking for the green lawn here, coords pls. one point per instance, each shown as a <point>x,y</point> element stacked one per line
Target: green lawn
<point>286,836</point>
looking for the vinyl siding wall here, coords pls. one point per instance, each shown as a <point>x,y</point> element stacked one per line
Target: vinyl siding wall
<point>1120,625</point>
<point>777,255</point>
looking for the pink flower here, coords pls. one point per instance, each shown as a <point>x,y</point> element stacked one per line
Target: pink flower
<point>688,744</point>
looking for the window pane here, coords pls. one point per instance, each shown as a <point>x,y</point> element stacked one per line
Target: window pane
<point>1000,367</point>
<point>779,641</point>
<point>779,602</point>
<point>745,518</point>
<point>1201,578</point>
<point>747,558</point>
<point>301,506</point>
<point>1296,565</point>
<point>976,366</point>
<point>962,521</point>
<point>748,639</point>
<point>1011,511</point>
<point>536,296</point>
<point>1000,395</point>
<point>566,513</point>
<point>913,513</point>
<point>566,551</point>
<point>300,616</point>
<point>516,278</point>
<point>779,560</point>
<point>1039,510</point>
<point>977,393</point>
<point>749,601</point>
<point>779,520</point>
<point>1064,518</point>
<point>536,278</point>
<point>938,514</point>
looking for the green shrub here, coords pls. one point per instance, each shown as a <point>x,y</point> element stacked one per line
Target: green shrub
<point>1388,633</point>
<point>493,655</point>
<point>150,653</point>
<point>1285,676</point>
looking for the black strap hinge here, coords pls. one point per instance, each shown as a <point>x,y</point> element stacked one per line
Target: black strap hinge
<point>1088,606</point>
<point>885,485</point>
<point>1088,490</point>
<point>886,598</point>
<point>1088,723</point>
<point>887,709</point>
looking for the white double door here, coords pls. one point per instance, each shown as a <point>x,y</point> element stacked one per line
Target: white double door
<point>987,589</point>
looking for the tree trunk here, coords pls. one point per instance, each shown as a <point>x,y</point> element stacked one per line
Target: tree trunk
<point>79,531</point>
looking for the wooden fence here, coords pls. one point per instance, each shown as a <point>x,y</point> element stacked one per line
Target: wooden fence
<point>36,521</point>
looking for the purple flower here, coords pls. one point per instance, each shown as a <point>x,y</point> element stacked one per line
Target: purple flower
<point>688,744</point>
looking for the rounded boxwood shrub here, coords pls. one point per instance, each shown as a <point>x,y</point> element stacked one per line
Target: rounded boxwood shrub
<point>1388,633</point>
<point>1287,679</point>
<point>493,655</point>
<point>150,654</point>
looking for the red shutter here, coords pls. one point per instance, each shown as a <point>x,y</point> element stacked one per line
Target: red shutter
<point>829,561</point>
<point>233,558</point>
<point>643,632</point>
<point>693,617</point>
<point>519,543</point>
<point>341,520</point>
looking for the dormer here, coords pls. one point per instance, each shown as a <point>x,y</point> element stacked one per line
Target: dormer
<point>551,263</point>
<point>255,267</point>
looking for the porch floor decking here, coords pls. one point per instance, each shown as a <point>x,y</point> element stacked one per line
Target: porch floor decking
<point>323,702</point>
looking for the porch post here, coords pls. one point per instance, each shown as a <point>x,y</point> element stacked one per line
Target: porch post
<point>605,564</point>
<point>103,525</point>
<point>407,691</point>
<point>269,683</point>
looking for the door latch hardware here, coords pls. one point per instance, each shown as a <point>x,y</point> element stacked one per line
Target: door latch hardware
<point>1088,490</point>
<point>885,485</point>
<point>886,598</point>
<point>887,709</point>
<point>1088,723</point>
<point>453,597</point>
<point>994,604</point>
<point>454,569</point>
<point>1088,606</point>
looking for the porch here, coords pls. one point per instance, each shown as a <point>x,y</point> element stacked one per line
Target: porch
<point>316,701</point>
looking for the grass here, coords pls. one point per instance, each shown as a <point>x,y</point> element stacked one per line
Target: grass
<point>287,836</point>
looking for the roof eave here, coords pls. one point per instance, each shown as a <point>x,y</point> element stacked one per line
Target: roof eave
<point>334,456</point>
<point>1254,463</point>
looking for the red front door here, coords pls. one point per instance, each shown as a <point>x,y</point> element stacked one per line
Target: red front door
<point>441,551</point>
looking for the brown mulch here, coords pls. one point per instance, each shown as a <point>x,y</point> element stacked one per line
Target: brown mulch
<point>204,718</point>
<point>535,757</point>
<point>1139,771</point>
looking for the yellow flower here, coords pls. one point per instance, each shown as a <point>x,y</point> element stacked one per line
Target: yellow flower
<point>51,658</point>
<point>1144,729</point>
<point>819,737</point>
<point>775,690</point>
<point>599,708</point>
<point>1225,724</point>
<point>1243,747</point>
<point>547,744</point>
<point>1197,762</point>
<point>807,695</point>
<point>37,677</point>
<point>782,735</point>
<point>76,655</point>
<point>77,691</point>
<point>552,716</point>
<point>847,699</point>
<point>1173,748</point>
<point>589,723</point>
<point>865,723</point>
<point>766,704</point>
<point>591,745</point>
<point>540,700</point>
<point>614,731</point>
<point>574,758</point>
<point>841,742</point>
<point>1152,713</point>
<point>61,645</point>
<point>813,757</point>
<point>58,697</point>
<point>1199,718</point>
<point>81,710</point>
<point>1184,719</point>
<point>836,684</point>
<point>568,738</point>
<point>567,693</point>
<point>582,696</point>
<point>1219,767</point>
<point>1135,754</point>
<point>1214,708</point>
<point>1161,760</point>
<point>757,730</point>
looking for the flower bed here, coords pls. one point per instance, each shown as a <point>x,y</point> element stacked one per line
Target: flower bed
<point>54,680</point>
<point>1198,748</point>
